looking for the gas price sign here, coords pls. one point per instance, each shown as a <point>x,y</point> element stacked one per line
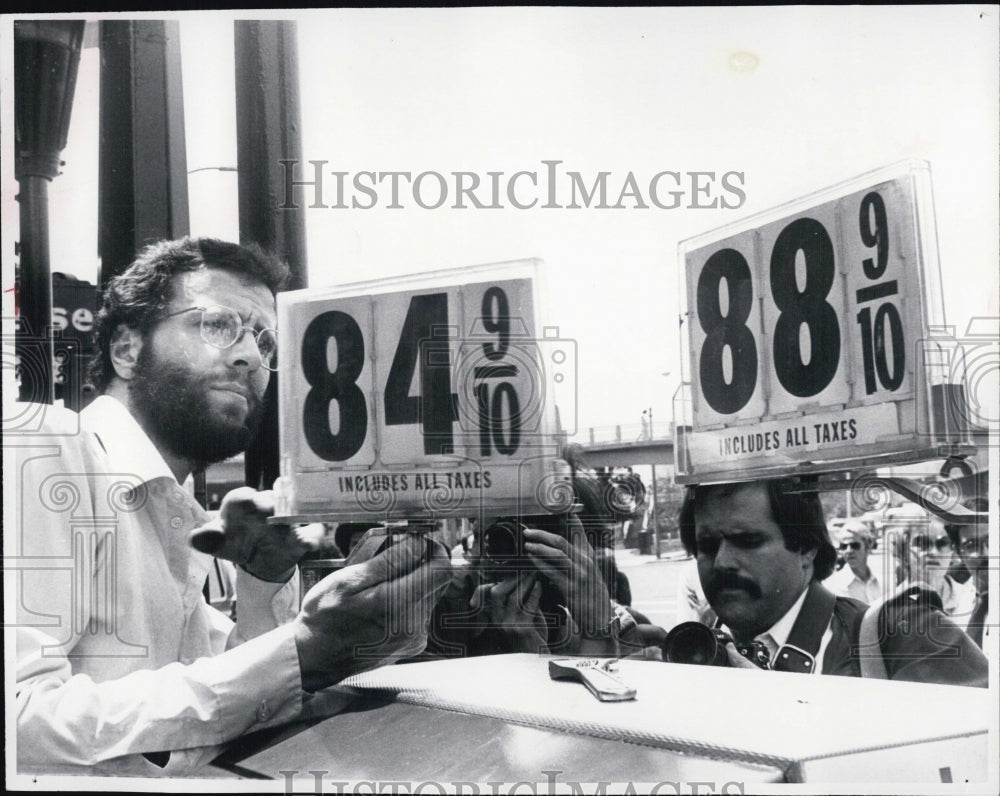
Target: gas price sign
<point>807,330</point>
<point>427,397</point>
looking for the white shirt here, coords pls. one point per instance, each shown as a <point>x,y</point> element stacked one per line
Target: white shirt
<point>117,651</point>
<point>777,635</point>
<point>845,583</point>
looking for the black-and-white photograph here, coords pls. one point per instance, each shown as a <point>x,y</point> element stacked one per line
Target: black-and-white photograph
<point>502,400</point>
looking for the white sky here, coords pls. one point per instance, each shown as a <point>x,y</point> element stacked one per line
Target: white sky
<point>795,98</point>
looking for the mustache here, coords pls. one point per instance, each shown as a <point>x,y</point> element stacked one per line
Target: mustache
<point>721,581</point>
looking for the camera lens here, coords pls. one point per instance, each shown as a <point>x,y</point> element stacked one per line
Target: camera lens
<point>501,542</point>
<point>693,642</point>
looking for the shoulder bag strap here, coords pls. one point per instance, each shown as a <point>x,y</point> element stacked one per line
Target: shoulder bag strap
<point>798,654</point>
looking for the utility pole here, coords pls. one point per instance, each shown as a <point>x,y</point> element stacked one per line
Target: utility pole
<point>653,506</point>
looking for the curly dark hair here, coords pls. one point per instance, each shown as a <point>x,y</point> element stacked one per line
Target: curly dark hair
<point>798,514</point>
<point>954,530</point>
<point>137,296</point>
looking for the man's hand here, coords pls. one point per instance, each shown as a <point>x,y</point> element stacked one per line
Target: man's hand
<point>512,607</point>
<point>370,614</point>
<point>568,565</point>
<point>736,660</point>
<point>241,534</point>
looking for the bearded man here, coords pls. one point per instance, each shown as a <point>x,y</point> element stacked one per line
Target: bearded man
<point>122,667</point>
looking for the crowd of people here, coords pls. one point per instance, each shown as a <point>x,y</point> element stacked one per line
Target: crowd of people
<point>949,559</point>
<point>146,678</point>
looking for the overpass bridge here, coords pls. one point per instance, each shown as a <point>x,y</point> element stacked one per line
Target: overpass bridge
<point>624,446</point>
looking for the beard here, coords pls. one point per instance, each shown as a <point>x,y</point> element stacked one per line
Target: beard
<point>171,403</point>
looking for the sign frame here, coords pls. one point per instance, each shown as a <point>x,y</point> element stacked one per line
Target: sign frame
<point>737,418</point>
<point>496,473</point>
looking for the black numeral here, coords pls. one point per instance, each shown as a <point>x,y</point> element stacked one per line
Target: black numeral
<point>491,411</point>
<point>338,385</point>
<point>873,348</point>
<point>726,330</point>
<point>808,307</point>
<point>424,339</point>
<point>496,320</point>
<point>874,337</point>
<point>873,204</point>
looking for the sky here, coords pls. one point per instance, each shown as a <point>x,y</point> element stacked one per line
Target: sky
<point>792,99</point>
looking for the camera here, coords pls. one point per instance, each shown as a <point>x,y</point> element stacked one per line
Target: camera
<point>503,540</point>
<point>693,642</point>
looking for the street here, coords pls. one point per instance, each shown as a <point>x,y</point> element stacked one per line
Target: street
<point>654,583</point>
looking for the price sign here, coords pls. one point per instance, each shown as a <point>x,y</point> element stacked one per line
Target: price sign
<point>806,328</point>
<point>428,397</point>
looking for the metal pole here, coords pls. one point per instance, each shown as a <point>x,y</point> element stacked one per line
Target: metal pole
<point>652,514</point>
<point>656,530</point>
<point>268,131</point>
<point>143,158</point>
<point>46,62</point>
<point>34,299</point>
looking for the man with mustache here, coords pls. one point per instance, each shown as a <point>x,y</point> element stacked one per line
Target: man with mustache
<point>763,549</point>
<point>122,667</point>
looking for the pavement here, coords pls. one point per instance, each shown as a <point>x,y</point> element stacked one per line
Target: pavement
<point>630,557</point>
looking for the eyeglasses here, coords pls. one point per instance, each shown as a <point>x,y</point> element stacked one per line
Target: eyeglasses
<point>922,543</point>
<point>851,545</point>
<point>974,545</point>
<point>223,327</point>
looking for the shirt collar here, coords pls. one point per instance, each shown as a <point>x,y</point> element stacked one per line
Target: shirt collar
<point>781,629</point>
<point>872,577</point>
<point>127,445</point>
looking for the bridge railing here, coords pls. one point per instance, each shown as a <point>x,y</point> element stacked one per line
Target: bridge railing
<point>620,434</point>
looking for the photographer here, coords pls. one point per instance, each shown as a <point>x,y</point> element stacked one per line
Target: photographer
<point>763,549</point>
<point>535,584</point>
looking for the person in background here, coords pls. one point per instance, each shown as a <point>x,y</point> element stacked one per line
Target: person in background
<point>692,604</point>
<point>971,540</point>
<point>855,579</point>
<point>926,556</point>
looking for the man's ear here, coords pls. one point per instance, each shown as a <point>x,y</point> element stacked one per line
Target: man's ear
<point>808,556</point>
<point>125,347</point>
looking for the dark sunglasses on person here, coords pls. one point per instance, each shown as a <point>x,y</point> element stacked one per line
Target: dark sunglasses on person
<point>851,545</point>
<point>974,545</point>
<point>923,543</point>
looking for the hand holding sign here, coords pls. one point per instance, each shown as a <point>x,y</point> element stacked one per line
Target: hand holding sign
<point>370,614</point>
<point>241,534</point>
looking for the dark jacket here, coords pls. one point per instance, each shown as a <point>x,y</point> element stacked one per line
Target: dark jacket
<point>917,641</point>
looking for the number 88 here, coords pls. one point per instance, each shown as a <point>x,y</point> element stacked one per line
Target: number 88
<point>808,306</point>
